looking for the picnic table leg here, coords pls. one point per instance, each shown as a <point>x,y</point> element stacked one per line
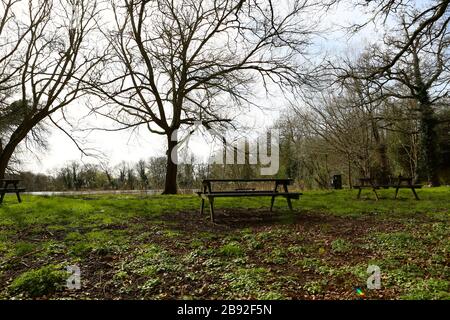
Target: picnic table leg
<point>415,194</point>
<point>271,203</point>
<point>396,193</point>
<point>18,197</point>
<point>359,194</point>
<point>205,187</point>
<point>289,203</point>
<point>17,193</point>
<point>1,197</point>
<point>202,207</point>
<point>211,208</point>
<point>287,197</point>
<point>376,194</point>
<point>273,197</point>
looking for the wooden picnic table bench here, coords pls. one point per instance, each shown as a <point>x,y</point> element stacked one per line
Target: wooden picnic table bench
<point>5,188</point>
<point>207,192</point>
<point>402,183</point>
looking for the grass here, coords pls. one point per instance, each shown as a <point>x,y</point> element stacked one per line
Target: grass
<point>39,282</point>
<point>231,249</point>
<point>158,247</point>
<point>340,245</point>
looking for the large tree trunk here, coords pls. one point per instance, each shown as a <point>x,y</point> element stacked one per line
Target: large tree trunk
<point>15,139</point>
<point>7,152</point>
<point>3,165</point>
<point>429,158</point>
<point>5,157</point>
<point>170,185</point>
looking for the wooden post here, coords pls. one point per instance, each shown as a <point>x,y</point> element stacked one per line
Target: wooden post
<point>350,183</point>
<point>202,206</point>
<point>396,192</point>
<point>287,197</point>
<point>273,197</point>
<point>376,194</point>
<point>211,208</point>
<point>18,197</point>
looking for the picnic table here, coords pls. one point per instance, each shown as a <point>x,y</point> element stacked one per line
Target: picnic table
<point>10,186</point>
<point>209,194</point>
<point>402,183</point>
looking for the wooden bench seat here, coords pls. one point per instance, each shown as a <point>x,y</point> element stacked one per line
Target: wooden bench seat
<point>209,194</point>
<point>402,183</point>
<point>415,186</point>
<point>368,187</point>
<point>14,188</point>
<point>292,195</point>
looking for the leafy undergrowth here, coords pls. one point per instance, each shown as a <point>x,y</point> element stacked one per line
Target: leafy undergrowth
<point>39,282</point>
<point>159,247</point>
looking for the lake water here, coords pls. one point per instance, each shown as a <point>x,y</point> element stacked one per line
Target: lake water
<point>100,192</point>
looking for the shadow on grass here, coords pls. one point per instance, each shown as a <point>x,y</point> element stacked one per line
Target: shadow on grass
<point>230,218</point>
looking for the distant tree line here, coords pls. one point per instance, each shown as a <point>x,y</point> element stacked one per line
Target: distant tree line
<point>77,176</point>
<point>142,175</point>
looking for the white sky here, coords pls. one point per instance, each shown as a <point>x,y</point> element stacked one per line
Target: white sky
<point>128,146</point>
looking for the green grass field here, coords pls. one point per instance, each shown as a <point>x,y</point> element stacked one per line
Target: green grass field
<point>159,247</point>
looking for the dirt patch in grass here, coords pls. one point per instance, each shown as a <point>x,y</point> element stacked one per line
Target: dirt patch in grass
<point>237,219</point>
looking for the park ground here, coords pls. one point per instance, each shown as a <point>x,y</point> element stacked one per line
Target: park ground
<point>159,247</point>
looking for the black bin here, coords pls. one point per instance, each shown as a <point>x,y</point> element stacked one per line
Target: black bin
<point>337,181</point>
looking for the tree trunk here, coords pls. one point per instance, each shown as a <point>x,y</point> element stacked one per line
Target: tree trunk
<point>170,185</point>
<point>5,157</point>
<point>350,178</point>
<point>385,172</point>
<point>429,157</point>
<point>15,139</point>
<point>381,149</point>
<point>3,164</point>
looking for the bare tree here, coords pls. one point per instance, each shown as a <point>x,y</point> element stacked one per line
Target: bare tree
<point>11,112</point>
<point>109,174</point>
<point>122,168</point>
<point>178,62</point>
<point>141,169</point>
<point>343,125</point>
<point>12,35</point>
<point>157,171</point>
<point>44,54</point>
<point>364,97</point>
<point>131,178</point>
<point>421,20</point>
<point>421,74</point>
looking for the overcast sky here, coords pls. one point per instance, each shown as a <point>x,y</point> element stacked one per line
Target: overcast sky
<point>115,147</point>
